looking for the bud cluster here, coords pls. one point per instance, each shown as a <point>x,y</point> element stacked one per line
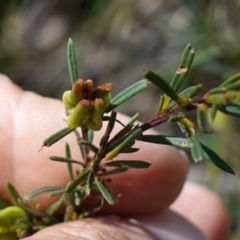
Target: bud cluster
<point>85,106</point>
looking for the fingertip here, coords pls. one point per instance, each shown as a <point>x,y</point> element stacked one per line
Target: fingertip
<point>205,209</point>
<point>154,189</point>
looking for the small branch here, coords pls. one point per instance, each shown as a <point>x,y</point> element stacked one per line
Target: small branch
<point>159,119</point>
<point>86,158</point>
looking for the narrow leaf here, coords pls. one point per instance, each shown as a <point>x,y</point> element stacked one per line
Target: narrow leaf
<point>196,149</point>
<point>36,211</point>
<point>128,164</point>
<point>125,144</point>
<point>212,113</point>
<point>189,92</point>
<point>72,62</point>
<point>53,208</point>
<point>201,120</point>
<point>41,191</point>
<point>107,196</point>
<point>184,67</point>
<point>15,196</point>
<point>133,119</point>
<point>90,135</point>
<point>232,109</point>
<point>113,171</point>
<point>72,185</point>
<point>208,154</point>
<point>126,94</point>
<point>69,164</point>
<point>3,204</point>
<point>56,192</point>
<point>121,133</point>
<point>162,84</point>
<point>89,145</point>
<point>231,80</point>
<point>108,131</point>
<point>90,181</point>
<point>57,136</point>
<point>64,159</point>
<point>129,150</point>
<point>212,157</point>
<point>179,142</point>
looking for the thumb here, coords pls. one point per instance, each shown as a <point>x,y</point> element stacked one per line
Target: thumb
<point>101,228</point>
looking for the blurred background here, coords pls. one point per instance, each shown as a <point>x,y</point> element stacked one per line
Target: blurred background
<point>115,41</point>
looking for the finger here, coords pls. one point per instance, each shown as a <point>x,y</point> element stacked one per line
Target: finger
<point>167,226</point>
<point>109,228</point>
<point>203,208</point>
<point>29,118</point>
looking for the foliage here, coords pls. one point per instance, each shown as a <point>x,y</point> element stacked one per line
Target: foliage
<point>86,109</point>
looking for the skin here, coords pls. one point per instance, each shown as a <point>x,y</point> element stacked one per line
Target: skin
<point>146,192</point>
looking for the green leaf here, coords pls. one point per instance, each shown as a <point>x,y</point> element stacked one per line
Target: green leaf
<point>56,192</point>
<point>54,207</point>
<point>3,204</point>
<point>231,80</point>
<point>41,191</point>
<point>90,181</point>
<point>162,84</point>
<point>125,144</point>
<point>196,149</point>
<point>126,94</point>
<point>121,133</point>
<point>212,157</point>
<point>129,150</point>
<point>64,159</point>
<point>179,142</point>
<point>73,184</point>
<point>15,196</point>
<point>221,98</point>
<point>90,135</point>
<point>208,154</point>
<point>212,112</point>
<point>113,171</point>
<point>232,109</point>
<point>107,196</point>
<point>128,164</point>
<point>72,62</point>
<point>69,164</point>
<point>89,145</point>
<point>201,120</point>
<point>36,211</point>
<point>184,67</point>
<point>57,136</point>
<point>189,92</point>
<point>133,119</point>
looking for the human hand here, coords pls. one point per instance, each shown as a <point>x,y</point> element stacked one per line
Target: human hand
<point>27,119</point>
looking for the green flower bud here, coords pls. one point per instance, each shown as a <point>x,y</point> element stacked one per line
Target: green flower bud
<point>77,91</point>
<point>85,107</point>
<point>66,100</point>
<point>87,89</point>
<point>104,92</point>
<point>10,221</point>
<point>96,117</point>
<point>80,114</point>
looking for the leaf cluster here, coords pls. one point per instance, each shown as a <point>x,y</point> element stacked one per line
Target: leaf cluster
<point>90,180</point>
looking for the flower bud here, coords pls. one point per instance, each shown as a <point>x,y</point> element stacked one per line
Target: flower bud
<point>66,99</point>
<point>104,92</point>
<point>87,89</point>
<point>77,91</point>
<point>80,114</point>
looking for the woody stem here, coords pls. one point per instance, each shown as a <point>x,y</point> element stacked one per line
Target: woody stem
<point>85,148</point>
